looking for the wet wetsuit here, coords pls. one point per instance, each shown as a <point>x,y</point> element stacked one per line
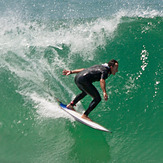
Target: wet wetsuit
<point>84,80</point>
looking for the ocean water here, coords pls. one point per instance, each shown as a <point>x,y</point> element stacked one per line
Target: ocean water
<point>38,39</point>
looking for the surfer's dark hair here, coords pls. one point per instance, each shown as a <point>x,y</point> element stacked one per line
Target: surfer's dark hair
<point>112,62</point>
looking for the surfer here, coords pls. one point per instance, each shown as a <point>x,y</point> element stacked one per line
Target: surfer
<point>84,80</point>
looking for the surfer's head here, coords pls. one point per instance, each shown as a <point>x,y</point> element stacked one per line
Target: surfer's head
<point>113,64</point>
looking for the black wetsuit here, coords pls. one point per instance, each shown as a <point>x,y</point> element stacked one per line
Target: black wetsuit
<point>84,80</point>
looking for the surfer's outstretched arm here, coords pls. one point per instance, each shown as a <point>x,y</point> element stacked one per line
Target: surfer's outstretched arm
<point>68,72</point>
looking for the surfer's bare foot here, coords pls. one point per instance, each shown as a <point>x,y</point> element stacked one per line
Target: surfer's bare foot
<point>86,117</point>
<point>70,107</point>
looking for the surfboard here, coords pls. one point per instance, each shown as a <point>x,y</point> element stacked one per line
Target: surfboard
<point>77,117</point>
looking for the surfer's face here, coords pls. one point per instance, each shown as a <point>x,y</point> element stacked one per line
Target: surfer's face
<point>114,69</point>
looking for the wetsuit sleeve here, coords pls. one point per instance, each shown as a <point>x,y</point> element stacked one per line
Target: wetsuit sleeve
<point>104,75</point>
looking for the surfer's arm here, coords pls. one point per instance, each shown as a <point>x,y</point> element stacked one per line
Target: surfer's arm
<point>103,87</point>
<point>68,72</point>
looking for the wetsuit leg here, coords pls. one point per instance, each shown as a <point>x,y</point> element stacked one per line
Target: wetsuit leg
<point>78,98</point>
<point>92,105</point>
<point>90,89</point>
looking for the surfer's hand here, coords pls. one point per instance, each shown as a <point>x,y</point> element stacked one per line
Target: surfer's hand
<point>67,72</point>
<point>105,96</point>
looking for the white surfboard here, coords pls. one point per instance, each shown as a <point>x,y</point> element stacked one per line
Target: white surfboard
<point>77,116</point>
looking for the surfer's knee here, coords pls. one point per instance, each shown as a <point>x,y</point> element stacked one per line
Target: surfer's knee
<point>97,99</point>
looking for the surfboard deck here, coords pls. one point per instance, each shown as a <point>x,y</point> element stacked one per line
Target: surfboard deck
<point>77,117</point>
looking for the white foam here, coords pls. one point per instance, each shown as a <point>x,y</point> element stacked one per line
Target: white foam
<point>82,38</point>
<point>48,109</point>
<point>144,58</point>
<point>32,75</point>
<point>139,12</point>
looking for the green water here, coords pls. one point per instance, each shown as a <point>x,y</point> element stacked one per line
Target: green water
<point>32,56</point>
